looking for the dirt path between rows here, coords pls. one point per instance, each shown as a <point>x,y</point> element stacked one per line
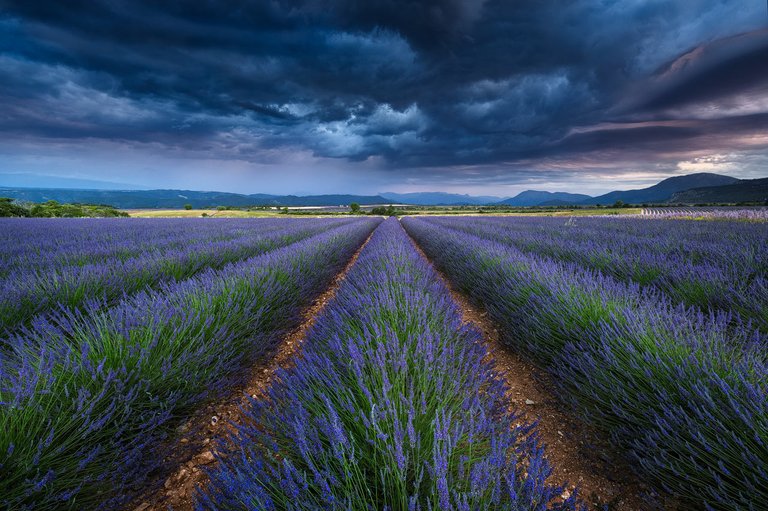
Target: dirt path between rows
<point>199,435</point>
<point>579,455</point>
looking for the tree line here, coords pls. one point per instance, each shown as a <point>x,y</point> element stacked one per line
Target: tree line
<point>54,209</point>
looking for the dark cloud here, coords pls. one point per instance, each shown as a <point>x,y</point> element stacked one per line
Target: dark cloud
<point>665,137</point>
<point>409,84</point>
<point>711,72</point>
<point>428,24</point>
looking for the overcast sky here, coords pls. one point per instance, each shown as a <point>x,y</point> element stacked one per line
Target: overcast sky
<point>321,96</point>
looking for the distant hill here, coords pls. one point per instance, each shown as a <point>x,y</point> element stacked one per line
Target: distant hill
<point>747,190</point>
<point>693,188</point>
<point>325,200</point>
<point>174,199</point>
<point>663,191</point>
<point>129,199</point>
<point>539,198</point>
<point>440,199</point>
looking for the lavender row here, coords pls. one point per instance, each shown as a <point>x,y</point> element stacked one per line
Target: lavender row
<point>28,293</point>
<point>684,392</point>
<point>699,242</point>
<point>42,243</point>
<point>709,213</point>
<point>712,266</point>
<point>87,397</point>
<point>390,406</point>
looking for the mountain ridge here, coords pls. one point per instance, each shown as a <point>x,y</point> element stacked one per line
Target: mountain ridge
<point>440,198</point>
<point>176,199</point>
<point>746,190</point>
<point>538,197</point>
<point>691,188</point>
<point>663,190</point>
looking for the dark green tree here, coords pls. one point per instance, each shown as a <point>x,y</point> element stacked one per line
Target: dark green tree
<point>384,211</point>
<point>9,208</point>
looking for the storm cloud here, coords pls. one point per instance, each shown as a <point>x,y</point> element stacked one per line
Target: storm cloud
<point>433,94</point>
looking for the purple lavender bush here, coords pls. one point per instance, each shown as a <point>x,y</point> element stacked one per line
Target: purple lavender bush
<point>713,266</point>
<point>389,406</point>
<point>43,243</point>
<point>93,271</point>
<point>748,214</point>
<point>683,391</point>
<point>87,395</point>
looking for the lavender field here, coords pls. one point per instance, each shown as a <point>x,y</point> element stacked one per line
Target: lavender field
<point>115,334</point>
<point>654,331</point>
<point>102,358</point>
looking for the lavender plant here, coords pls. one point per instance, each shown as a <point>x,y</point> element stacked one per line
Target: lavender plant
<point>390,406</point>
<point>73,280</point>
<point>748,214</point>
<point>41,242</point>
<point>86,395</point>
<point>683,391</point>
<point>704,264</point>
